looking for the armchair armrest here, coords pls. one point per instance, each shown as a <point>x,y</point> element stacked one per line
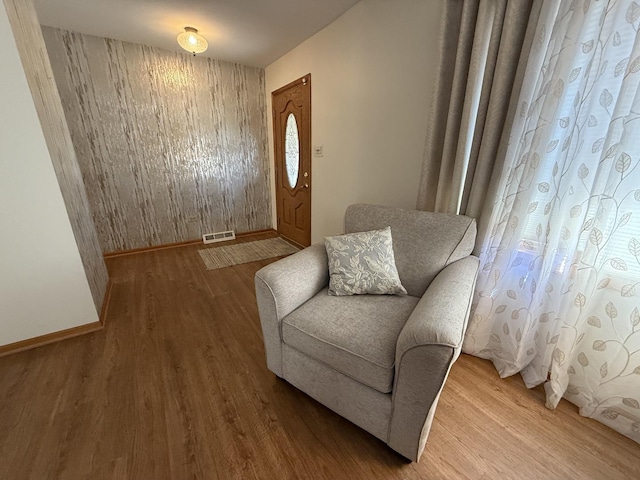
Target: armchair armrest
<point>283,286</point>
<point>428,345</point>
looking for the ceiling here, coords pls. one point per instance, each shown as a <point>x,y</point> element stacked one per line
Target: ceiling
<point>250,32</point>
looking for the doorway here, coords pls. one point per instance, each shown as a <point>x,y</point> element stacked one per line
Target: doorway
<point>291,107</point>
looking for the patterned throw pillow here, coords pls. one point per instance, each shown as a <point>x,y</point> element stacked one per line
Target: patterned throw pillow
<point>361,263</point>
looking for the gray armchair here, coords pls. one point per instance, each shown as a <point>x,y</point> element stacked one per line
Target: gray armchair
<point>380,361</point>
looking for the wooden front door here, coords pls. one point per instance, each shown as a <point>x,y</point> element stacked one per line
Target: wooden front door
<point>292,142</point>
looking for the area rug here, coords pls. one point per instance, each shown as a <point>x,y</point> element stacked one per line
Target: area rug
<point>219,257</point>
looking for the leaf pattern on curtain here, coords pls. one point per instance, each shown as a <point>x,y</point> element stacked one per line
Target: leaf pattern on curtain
<point>558,296</point>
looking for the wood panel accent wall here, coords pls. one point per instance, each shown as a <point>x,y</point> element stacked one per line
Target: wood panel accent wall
<point>33,53</point>
<point>170,145</point>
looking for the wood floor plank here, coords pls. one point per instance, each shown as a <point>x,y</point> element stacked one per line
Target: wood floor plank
<point>176,387</point>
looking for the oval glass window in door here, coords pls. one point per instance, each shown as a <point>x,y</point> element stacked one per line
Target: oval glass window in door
<point>292,150</point>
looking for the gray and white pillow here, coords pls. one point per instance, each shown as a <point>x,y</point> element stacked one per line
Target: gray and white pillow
<point>363,263</point>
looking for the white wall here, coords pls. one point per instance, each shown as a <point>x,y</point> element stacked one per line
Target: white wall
<point>371,81</point>
<point>43,287</point>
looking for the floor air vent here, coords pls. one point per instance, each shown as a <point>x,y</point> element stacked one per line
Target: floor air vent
<point>218,236</point>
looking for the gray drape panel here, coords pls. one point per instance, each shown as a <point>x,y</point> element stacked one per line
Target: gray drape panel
<point>480,47</point>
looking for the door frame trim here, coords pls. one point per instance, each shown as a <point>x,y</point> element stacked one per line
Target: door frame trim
<point>293,84</point>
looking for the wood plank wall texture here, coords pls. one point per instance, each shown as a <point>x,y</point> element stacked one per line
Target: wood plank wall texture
<point>33,53</point>
<point>170,145</point>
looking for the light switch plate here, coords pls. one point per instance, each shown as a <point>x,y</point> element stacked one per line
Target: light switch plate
<point>317,151</point>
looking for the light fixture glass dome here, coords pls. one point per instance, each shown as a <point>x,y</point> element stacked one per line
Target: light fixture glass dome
<point>191,41</point>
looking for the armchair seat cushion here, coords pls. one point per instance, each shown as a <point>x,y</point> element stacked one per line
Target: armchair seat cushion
<point>355,335</point>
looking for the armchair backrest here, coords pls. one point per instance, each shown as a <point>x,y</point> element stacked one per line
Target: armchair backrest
<point>423,242</point>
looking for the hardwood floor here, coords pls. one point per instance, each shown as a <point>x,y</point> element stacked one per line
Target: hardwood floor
<point>176,387</point>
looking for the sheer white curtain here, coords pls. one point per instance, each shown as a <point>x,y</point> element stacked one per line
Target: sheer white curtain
<point>558,295</point>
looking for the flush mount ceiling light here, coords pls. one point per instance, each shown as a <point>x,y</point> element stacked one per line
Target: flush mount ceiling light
<point>191,41</point>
